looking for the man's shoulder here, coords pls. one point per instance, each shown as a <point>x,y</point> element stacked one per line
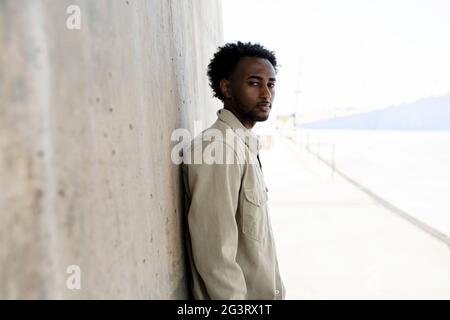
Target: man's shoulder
<point>218,132</point>
<point>218,135</point>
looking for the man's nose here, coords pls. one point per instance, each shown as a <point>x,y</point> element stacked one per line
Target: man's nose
<point>265,92</point>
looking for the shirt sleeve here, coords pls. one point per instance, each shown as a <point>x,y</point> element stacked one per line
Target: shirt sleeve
<point>213,228</point>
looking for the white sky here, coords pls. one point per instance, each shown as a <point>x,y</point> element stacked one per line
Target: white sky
<point>340,54</point>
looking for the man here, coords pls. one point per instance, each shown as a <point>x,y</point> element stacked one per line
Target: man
<point>230,243</point>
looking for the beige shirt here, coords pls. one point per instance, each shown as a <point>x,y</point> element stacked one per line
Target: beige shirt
<point>230,243</point>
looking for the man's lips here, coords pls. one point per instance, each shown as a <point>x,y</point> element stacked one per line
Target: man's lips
<point>264,105</point>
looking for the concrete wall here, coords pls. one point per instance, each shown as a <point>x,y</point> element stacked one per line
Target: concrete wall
<point>85,123</point>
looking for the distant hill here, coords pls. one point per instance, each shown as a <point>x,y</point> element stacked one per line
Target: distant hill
<point>425,114</point>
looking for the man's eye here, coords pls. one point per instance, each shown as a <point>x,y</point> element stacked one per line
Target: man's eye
<point>271,85</point>
<point>253,83</point>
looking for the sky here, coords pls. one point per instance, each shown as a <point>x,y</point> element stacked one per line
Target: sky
<point>347,56</point>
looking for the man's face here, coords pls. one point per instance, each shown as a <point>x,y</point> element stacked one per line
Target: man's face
<point>252,90</point>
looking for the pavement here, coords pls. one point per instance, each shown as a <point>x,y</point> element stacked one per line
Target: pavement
<point>336,242</point>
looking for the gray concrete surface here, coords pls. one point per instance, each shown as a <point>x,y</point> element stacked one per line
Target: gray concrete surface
<point>85,122</point>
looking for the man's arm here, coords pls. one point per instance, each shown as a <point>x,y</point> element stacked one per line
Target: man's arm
<point>213,228</point>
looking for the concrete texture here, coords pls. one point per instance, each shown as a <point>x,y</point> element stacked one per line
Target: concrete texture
<point>85,123</point>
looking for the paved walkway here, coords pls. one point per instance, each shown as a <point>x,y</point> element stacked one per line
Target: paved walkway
<point>335,242</point>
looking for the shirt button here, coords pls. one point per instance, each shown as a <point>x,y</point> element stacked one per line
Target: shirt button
<point>277,292</point>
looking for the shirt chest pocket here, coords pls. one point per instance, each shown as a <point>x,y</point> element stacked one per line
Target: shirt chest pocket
<point>254,215</point>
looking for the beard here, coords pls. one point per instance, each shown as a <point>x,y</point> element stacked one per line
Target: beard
<point>258,115</point>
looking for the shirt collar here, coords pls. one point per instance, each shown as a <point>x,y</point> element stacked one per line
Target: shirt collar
<point>252,141</point>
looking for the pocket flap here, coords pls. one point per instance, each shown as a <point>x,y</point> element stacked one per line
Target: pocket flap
<point>256,196</point>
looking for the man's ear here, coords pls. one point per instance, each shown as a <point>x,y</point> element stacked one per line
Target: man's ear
<point>225,87</point>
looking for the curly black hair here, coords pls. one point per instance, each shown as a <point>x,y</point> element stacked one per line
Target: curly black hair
<point>228,56</point>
